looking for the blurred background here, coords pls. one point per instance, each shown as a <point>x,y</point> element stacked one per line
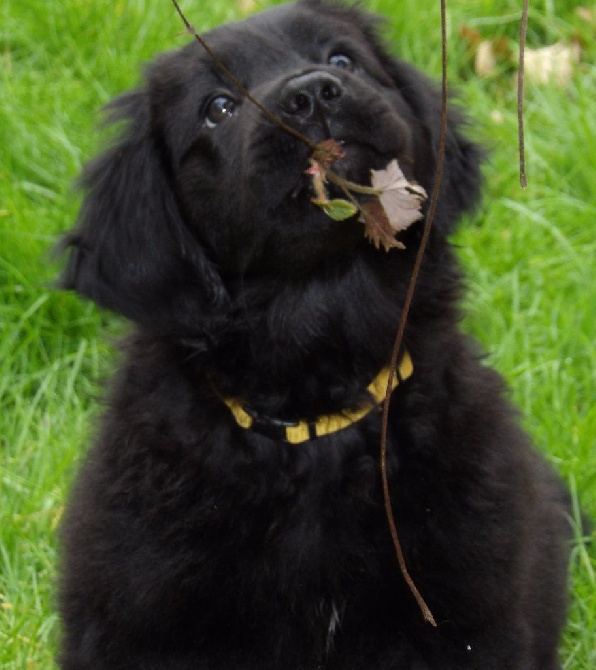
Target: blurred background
<point>530,254</point>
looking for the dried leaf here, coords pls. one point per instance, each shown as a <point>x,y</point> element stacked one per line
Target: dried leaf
<point>586,14</point>
<point>326,153</point>
<point>485,60</point>
<point>502,49</point>
<point>377,226</point>
<point>395,206</point>
<point>471,36</point>
<point>486,54</point>
<point>552,64</point>
<point>400,198</point>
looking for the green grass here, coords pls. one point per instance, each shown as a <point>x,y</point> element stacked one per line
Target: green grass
<point>530,257</point>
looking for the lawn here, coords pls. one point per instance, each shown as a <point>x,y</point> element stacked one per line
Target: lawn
<point>530,255</point>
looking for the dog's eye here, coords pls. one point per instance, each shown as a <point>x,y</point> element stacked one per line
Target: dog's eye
<point>219,109</point>
<point>341,61</point>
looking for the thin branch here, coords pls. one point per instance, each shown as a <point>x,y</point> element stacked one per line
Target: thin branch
<point>520,95</point>
<point>397,346</point>
<point>348,188</point>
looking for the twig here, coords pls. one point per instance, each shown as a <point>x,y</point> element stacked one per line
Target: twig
<point>434,198</point>
<point>349,187</point>
<point>520,95</point>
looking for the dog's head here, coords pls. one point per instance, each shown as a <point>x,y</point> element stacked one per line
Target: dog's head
<point>203,188</point>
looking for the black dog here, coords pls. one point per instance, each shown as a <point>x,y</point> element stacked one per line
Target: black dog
<point>230,514</point>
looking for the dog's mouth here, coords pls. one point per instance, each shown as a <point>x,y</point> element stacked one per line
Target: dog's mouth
<point>386,204</point>
<point>355,166</point>
<point>299,230</point>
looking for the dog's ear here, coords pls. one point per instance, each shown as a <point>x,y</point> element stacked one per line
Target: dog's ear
<point>131,251</point>
<point>461,182</point>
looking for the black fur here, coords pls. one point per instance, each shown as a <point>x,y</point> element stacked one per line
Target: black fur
<point>193,544</point>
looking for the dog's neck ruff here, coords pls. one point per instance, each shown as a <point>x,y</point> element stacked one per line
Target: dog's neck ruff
<point>296,432</point>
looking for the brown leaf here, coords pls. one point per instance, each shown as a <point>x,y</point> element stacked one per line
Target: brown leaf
<point>586,14</point>
<point>552,64</point>
<point>395,204</point>
<point>377,226</point>
<point>327,152</point>
<point>486,53</point>
<point>485,60</point>
<point>503,49</point>
<point>471,36</point>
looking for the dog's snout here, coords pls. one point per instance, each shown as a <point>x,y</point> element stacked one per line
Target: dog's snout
<point>307,94</point>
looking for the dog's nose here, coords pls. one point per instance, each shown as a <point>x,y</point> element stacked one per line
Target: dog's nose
<point>307,94</point>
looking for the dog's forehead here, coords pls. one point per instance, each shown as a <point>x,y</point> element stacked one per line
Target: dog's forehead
<point>277,34</point>
<point>301,21</point>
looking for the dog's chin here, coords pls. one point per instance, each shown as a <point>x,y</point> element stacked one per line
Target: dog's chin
<point>309,242</point>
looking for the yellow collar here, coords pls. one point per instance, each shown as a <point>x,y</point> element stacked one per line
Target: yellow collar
<point>296,432</point>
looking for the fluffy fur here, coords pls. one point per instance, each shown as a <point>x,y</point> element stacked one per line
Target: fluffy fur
<point>191,543</point>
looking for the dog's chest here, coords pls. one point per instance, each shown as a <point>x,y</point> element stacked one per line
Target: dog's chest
<point>313,546</point>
